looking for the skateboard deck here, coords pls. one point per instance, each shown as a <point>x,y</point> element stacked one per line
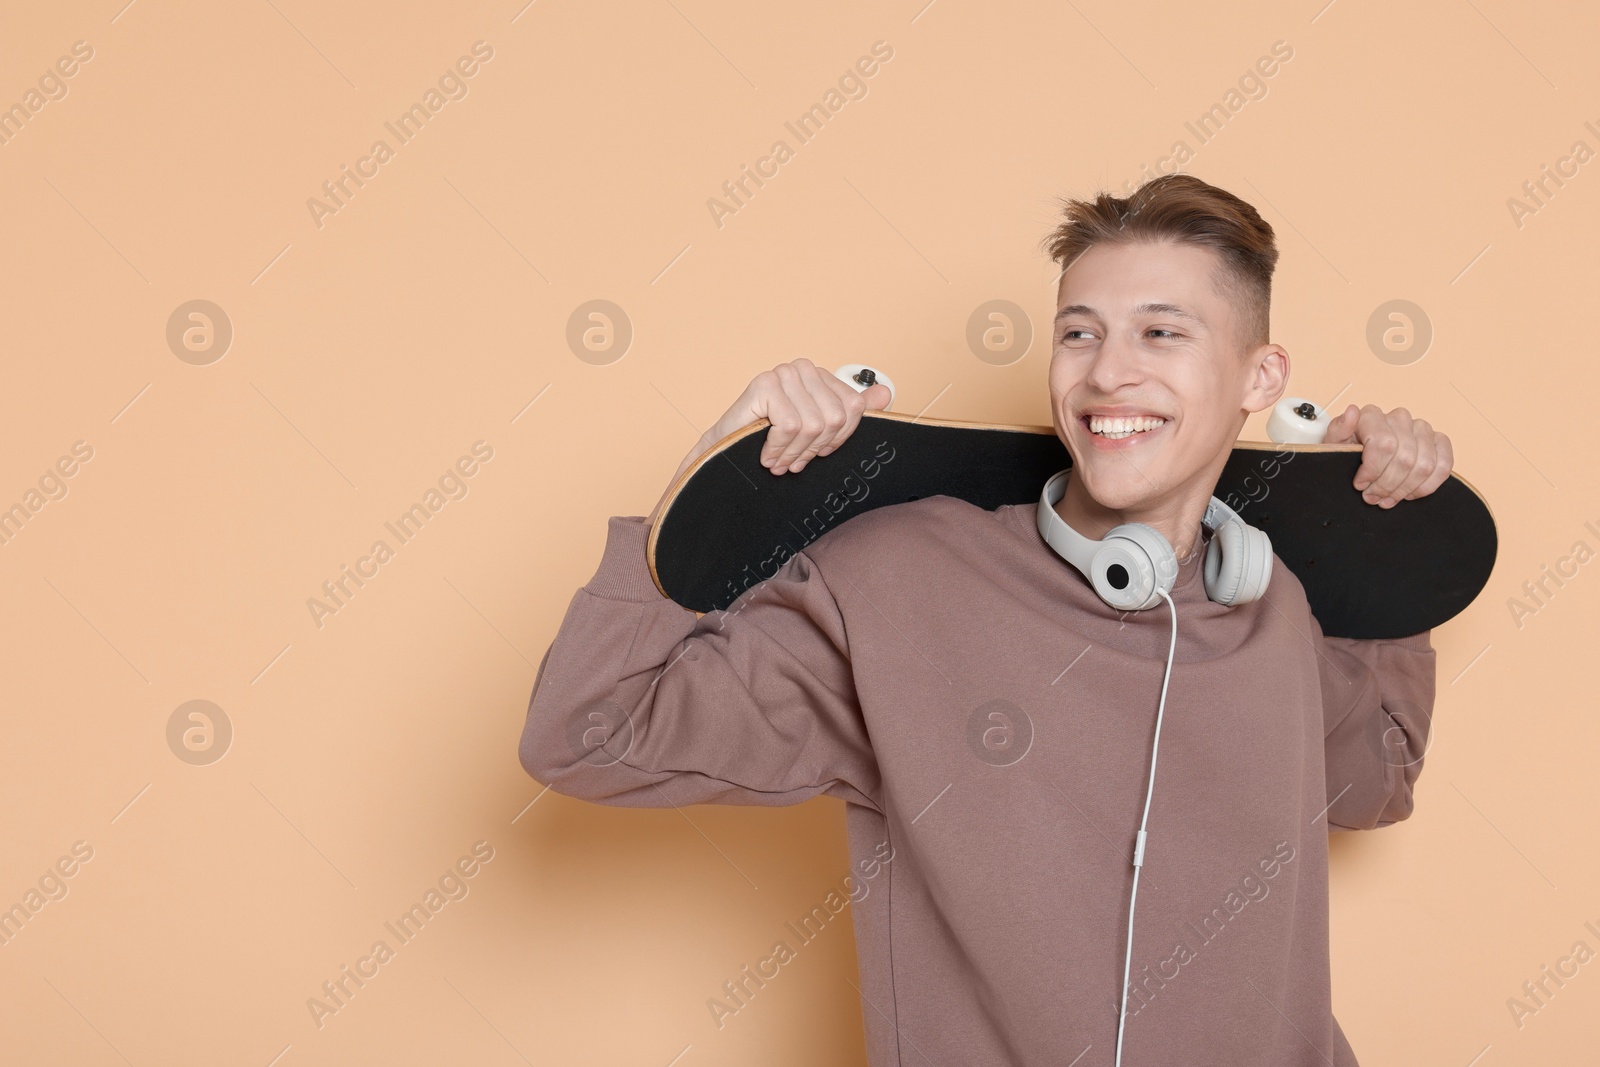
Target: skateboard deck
<point>1368,572</point>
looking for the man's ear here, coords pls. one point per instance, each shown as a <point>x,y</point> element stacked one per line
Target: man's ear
<point>1266,377</point>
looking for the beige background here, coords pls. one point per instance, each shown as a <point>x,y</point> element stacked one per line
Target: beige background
<point>371,352</point>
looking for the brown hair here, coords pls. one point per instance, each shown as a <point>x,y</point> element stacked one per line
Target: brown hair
<point>1181,207</point>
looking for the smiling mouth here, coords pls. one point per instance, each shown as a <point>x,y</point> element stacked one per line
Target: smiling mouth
<point>1116,428</point>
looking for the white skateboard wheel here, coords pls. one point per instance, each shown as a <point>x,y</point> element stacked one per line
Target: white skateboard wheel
<point>852,374</point>
<point>1297,421</point>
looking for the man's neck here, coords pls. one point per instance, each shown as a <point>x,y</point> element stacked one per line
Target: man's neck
<point>1178,520</point>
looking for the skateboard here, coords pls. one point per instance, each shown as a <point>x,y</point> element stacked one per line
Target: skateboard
<point>1368,572</point>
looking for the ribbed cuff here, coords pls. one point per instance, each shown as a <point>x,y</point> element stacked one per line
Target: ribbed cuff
<point>624,571</point>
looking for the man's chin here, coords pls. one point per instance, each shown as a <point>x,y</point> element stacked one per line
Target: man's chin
<point>1116,490</point>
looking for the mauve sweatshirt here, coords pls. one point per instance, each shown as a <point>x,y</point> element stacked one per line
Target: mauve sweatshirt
<point>987,720</point>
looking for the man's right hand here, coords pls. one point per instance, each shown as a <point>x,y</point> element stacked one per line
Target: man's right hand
<point>811,411</point>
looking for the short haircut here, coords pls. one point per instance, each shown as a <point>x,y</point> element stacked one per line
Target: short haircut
<point>1182,208</point>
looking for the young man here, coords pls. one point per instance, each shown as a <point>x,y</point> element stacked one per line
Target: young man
<point>988,719</point>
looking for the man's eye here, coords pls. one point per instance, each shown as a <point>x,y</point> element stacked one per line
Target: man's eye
<point>1168,333</point>
<point>1068,335</point>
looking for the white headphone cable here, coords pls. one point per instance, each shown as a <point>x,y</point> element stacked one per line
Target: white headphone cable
<point>1139,841</point>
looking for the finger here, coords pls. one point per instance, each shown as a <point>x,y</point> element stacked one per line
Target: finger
<point>783,417</point>
<point>1444,462</point>
<point>805,419</point>
<point>820,388</point>
<point>874,397</point>
<point>839,404</point>
<point>1343,428</point>
<point>1378,448</point>
<point>1421,468</point>
<point>1379,442</point>
<point>1403,457</point>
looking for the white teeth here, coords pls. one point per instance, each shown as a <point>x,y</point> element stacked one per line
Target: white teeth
<point>1119,426</point>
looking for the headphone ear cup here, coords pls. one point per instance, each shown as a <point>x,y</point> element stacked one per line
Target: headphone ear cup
<point>1224,555</point>
<point>1238,563</point>
<point>1130,564</point>
<point>1257,571</point>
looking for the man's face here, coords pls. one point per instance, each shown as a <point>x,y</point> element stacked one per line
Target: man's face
<point>1142,333</point>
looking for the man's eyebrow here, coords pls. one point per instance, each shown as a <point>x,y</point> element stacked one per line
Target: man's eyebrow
<point>1167,309</point>
<point>1143,309</point>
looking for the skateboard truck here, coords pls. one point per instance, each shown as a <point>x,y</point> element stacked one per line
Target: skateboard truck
<point>860,377</point>
<point>1295,420</point>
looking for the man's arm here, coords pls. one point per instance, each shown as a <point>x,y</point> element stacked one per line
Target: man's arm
<point>1377,705</point>
<point>1377,696</point>
<point>639,702</point>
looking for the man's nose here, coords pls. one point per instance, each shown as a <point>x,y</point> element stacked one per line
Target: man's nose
<point>1116,365</point>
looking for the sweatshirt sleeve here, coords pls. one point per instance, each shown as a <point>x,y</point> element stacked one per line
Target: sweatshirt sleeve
<point>639,702</point>
<point>1377,708</point>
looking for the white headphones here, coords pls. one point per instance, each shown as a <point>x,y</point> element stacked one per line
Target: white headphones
<point>1133,564</point>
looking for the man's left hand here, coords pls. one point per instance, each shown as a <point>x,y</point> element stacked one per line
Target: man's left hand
<point>1401,458</point>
